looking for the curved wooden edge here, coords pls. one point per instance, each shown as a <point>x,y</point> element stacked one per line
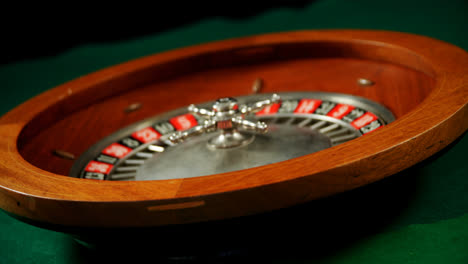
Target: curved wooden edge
<point>36,194</point>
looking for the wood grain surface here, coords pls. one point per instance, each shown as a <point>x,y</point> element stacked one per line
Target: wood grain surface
<point>423,81</point>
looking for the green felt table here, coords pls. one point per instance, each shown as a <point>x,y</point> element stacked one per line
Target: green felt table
<point>417,216</point>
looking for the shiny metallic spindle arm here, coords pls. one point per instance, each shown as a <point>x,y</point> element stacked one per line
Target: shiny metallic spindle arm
<point>200,111</point>
<point>249,125</point>
<point>260,105</point>
<point>226,116</point>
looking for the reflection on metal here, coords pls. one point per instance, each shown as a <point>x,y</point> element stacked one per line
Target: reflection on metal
<point>365,82</point>
<point>155,148</point>
<point>226,116</point>
<point>63,154</point>
<point>133,107</point>
<point>193,158</point>
<point>257,85</point>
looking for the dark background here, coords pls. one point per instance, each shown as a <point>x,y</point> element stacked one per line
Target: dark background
<point>49,31</point>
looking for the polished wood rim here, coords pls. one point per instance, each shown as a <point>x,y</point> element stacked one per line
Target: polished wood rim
<point>39,195</point>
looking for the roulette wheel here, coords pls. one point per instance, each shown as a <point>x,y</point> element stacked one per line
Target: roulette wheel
<point>230,129</point>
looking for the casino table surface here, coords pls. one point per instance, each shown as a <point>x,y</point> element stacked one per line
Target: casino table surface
<point>417,216</point>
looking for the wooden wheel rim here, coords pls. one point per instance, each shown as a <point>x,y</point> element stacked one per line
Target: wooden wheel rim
<point>30,192</point>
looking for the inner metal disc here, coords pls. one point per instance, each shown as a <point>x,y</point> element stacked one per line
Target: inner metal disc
<point>282,142</point>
